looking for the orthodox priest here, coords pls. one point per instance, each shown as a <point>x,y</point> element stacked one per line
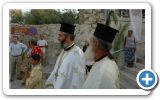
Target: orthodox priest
<point>104,73</point>
<point>69,70</point>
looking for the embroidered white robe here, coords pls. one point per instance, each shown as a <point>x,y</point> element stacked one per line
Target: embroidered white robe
<point>69,70</point>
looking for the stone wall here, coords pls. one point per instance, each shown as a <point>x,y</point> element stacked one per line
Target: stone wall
<point>50,32</point>
<point>87,24</point>
<point>91,16</point>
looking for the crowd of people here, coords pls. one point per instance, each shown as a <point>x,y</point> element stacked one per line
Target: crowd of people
<point>90,68</point>
<point>24,58</point>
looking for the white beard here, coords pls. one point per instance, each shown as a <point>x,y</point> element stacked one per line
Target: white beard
<point>89,54</point>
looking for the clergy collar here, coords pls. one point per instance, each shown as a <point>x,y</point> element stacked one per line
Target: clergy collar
<point>69,47</point>
<point>101,58</point>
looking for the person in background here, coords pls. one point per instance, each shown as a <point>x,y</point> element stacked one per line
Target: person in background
<point>34,81</point>
<point>42,43</point>
<point>85,46</point>
<point>26,66</point>
<point>129,49</point>
<point>35,49</point>
<point>16,50</point>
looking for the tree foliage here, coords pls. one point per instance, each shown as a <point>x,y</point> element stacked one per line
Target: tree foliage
<point>16,16</point>
<point>44,16</point>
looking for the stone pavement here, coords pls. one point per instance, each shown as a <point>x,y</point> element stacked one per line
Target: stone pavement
<point>127,77</point>
<point>17,84</point>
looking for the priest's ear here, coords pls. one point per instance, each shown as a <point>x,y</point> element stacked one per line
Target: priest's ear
<point>72,36</point>
<point>69,37</point>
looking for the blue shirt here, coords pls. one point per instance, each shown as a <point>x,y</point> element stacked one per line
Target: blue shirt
<point>17,49</point>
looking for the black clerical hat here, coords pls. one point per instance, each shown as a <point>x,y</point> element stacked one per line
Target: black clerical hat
<point>105,32</point>
<point>67,28</point>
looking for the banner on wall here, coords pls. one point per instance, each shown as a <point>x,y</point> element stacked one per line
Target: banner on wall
<point>32,31</point>
<point>24,30</point>
<point>136,23</point>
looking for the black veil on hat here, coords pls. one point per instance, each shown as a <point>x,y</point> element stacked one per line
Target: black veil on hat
<point>105,32</point>
<point>67,28</point>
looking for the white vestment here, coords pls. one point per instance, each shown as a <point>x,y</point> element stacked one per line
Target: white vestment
<point>103,75</point>
<point>71,70</point>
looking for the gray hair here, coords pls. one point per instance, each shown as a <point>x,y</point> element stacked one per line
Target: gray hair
<point>105,46</point>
